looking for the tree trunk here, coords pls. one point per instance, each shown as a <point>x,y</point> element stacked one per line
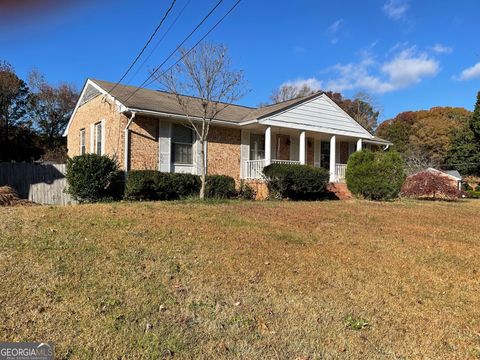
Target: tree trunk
<point>203,175</point>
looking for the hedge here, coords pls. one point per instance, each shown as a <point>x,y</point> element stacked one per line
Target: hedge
<point>296,182</point>
<point>93,178</point>
<point>375,175</point>
<point>220,187</point>
<point>154,185</point>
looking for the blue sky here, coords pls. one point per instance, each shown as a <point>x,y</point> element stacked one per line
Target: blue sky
<point>408,55</point>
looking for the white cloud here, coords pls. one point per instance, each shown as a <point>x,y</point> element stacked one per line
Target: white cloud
<point>408,68</point>
<point>312,83</point>
<point>335,26</point>
<point>333,30</point>
<point>469,73</point>
<point>441,49</point>
<point>396,9</point>
<point>405,69</point>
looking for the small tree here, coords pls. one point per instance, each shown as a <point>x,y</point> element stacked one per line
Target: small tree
<point>205,74</point>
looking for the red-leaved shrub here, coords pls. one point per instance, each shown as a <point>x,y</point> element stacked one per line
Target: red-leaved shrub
<point>430,185</point>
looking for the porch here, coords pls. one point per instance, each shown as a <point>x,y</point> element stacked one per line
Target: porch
<point>276,145</point>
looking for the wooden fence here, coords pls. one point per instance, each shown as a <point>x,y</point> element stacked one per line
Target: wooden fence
<point>40,183</point>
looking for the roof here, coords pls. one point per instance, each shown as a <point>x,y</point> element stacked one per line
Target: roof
<point>132,98</point>
<point>450,173</point>
<point>454,173</point>
<point>161,101</point>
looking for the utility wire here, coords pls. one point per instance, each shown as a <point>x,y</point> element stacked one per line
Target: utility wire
<point>159,41</point>
<point>194,46</point>
<point>176,49</point>
<point>146,45</point>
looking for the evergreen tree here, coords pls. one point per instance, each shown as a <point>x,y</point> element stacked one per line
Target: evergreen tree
<point>464,153</point>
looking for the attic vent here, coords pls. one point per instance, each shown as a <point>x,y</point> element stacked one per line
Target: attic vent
<point>89,94</point>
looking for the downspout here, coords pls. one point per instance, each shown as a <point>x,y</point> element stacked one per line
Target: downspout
<point>127,143</point>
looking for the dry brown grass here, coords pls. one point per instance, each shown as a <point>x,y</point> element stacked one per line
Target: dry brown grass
<point>352,280</point>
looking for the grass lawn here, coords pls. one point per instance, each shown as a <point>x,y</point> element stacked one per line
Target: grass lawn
<point>263,280</point>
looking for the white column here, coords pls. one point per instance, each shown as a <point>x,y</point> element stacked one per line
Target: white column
<point>359,145</point>
<point>333,158</point>
<point>268,146</point>
<point>302,157</point>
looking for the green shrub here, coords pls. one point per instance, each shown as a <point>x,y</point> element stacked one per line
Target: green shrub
<point>184,185</point>
<point>246,192</point>
<point>93,177</point>
<point>154,185</point>
<point>473,194</point>
<point>141,185</point>
<point>220,187</point>
<point>477,189</point>
<point>375,175</point>
<point>296,182</point>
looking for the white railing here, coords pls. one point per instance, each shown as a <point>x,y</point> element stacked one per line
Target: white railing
<point>289,162</point>
<point>340,172</point>
<point>253,169</point>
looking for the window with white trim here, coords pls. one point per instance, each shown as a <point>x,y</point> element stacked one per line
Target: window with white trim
<point>83,148</point>
<point>98,138</point>
<point>182,144</point>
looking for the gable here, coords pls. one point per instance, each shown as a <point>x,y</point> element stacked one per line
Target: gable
<point>319,114</point>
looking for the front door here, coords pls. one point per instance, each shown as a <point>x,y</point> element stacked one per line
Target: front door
<point>325,154</point>
<point>344,152</point>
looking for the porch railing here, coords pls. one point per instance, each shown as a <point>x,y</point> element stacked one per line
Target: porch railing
<point>253,169</point>
<point>340,170</point>
<point>289,162</point>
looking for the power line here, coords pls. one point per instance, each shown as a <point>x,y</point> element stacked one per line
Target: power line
<point>146,44</point>
<point>159,41</point>
<point>176,49</point>
<point>198,42</point>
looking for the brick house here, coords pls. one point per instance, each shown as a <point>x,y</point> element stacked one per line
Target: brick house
<point>145,129</point>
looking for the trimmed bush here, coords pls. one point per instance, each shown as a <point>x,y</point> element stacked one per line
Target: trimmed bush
<point>375,175</point>
<point>477,189</point>
<point>220,187</point>
<point>93,177</point>
<point>296,182</point>
<point>154,185</point>
<point>246,192</point>
<point>430,185</point>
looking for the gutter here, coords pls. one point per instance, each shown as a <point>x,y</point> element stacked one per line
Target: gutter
<point>127,142</point>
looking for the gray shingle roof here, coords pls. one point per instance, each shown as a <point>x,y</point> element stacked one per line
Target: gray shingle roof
<point>161,101</point>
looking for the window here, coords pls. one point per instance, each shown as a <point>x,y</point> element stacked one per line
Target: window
<point>98,138</point>
<point>83,149</point>
<point>182,144</point>
<point>257,147</point>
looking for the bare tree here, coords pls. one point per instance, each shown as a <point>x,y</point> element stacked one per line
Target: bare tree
<point>51,107</point>
<point>290,91</point>
<point>205,75</point>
